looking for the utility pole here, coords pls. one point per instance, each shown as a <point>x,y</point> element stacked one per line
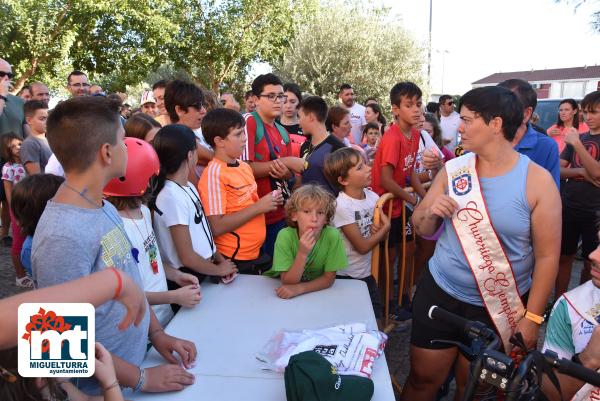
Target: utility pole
<point>429,51</point>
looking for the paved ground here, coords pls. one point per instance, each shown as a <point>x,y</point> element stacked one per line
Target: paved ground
<point>396,351</point>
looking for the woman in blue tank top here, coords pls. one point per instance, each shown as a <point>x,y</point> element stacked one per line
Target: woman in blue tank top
<point>524,208</point>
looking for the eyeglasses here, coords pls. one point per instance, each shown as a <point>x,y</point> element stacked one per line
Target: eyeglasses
<point>275,97</point>
<point>80,85</point>
<point>450,103</point>
<point>3,74</point>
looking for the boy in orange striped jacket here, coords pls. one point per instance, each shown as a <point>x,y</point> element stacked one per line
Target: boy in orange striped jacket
<point>229,192</point>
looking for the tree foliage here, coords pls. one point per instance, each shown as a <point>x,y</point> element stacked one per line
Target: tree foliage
<point>219,39</point>
<point>594,18</point>
<point>345,43</point>
<point>120,43</point>
<point>44,39</point>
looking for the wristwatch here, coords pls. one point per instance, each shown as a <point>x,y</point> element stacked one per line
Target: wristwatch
<point>533,317</point>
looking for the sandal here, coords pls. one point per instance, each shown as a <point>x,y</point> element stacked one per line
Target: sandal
<point>24,282</point>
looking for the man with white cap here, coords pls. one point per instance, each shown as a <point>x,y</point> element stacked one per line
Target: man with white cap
<point>148,104</point>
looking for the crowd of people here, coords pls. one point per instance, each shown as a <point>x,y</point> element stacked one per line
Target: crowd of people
<point>151,202</point>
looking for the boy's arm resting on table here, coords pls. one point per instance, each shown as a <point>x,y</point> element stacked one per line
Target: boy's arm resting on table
<point>293,290</point>
<point>390,185</point>
<point>190,259</point>
<point>294,274</point>
<point>158,379</point>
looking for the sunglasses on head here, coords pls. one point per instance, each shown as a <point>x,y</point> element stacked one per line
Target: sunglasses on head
<point>3,74</point>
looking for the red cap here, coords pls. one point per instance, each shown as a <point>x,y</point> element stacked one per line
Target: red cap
<point>142,164</point>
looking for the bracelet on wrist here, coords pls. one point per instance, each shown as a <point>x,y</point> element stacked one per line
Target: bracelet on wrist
<point>141,380</point>
<point>119,282</point>
<point>113,385</point>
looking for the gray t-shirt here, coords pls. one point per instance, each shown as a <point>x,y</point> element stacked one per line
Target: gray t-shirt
<point>35,150</point>
<point>72,242</point>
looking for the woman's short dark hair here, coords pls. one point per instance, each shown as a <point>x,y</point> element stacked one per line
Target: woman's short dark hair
<point>183,94</point>
<point>575,106</point>
<point>335,116</point>
<point>29,198</point>
<point>489,102</point>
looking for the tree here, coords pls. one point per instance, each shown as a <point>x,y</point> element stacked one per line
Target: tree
<point>43,39</point>
<point>345,43</point>
<point>219,39</point>
<point>594,18</point>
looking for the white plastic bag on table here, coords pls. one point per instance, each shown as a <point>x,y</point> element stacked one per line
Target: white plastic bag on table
<point>351,348</point>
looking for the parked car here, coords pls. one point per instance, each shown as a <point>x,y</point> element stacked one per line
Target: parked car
<point>547,109</point>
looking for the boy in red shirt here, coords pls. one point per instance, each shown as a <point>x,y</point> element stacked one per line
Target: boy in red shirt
<point>393,167</point>
<point>268,149</point>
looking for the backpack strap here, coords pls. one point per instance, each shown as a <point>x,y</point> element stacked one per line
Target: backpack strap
<point>260,130</point>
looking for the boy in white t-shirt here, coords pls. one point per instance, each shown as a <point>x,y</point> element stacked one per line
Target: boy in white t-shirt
<point>126,194</point>
<point>346,169</point>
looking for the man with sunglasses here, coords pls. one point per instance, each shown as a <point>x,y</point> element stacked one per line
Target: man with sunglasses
<point>77,84</point>
<point>449,122</point>
<point>11,107</point>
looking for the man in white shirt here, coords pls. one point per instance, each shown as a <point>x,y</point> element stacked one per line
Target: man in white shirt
<point>357,111</point>
<point>449,122</point>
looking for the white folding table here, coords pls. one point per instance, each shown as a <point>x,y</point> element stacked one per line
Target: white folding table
<point>234,321</point>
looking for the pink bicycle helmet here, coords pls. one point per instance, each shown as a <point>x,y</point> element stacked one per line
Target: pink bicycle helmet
<point>142,164</point>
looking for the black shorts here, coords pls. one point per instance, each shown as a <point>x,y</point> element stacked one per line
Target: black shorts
<point>373,293</point>
<point>396,229</point>
<point>578,224</point>
<point>424,329</point>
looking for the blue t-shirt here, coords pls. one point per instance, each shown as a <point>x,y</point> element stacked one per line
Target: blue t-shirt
<point>542,150</point>
<point>507,205</point>
<point>315,156</point>
<point>72,242</point>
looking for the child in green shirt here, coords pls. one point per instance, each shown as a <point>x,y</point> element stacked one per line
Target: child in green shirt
<point>308,252</point>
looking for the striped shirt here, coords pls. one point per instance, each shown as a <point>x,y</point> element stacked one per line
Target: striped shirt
<point>226,189</point>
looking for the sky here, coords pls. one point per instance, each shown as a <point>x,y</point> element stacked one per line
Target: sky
<point>472,39</point>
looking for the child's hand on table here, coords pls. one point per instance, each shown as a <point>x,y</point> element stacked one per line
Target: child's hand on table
<point>287,291</point>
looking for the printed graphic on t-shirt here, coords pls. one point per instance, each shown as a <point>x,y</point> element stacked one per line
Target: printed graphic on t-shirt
<point>364,219</point>
<point>592,148</point>
<point>115,248</point>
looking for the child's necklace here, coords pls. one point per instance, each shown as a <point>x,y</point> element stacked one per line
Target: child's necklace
<point>152,253</point>
<point>134,251</point>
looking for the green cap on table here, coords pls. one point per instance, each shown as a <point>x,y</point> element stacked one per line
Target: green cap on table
<point>310,377</point>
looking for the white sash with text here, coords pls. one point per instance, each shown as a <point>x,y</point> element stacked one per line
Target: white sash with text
<point>482,247</point>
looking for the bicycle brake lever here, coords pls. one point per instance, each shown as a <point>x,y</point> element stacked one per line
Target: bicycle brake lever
<point>466,351</point>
